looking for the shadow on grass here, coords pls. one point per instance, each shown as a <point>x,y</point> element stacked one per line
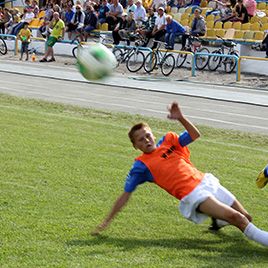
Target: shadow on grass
<point>240,251</point>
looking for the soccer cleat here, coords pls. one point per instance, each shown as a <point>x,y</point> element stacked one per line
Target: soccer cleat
<point>217,224</point>
<point>262,178</point>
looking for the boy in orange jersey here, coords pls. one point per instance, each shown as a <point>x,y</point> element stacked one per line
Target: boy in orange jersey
<point>168,165</point>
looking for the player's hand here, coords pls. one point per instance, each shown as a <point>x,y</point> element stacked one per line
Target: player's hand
<point>99,229</point>
<point>174,111</point>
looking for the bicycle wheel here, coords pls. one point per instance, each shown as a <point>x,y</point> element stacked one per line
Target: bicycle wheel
<point>181,58</point>
<point>150,62</point>
<point>74,52</point>
<point>167,65</point>
<point>201,61</point>
<point>135,61</point>
<point>214,61</point>
<point>3,47</point>
<point>119,55</point>
<point>230,63</point>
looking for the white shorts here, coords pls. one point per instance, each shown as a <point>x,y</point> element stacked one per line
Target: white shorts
<point>209,186</point>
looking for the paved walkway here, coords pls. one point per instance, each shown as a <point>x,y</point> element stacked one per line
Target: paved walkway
<point>226,93</point>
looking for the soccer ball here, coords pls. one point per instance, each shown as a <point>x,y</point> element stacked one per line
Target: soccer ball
<point>262,178</point>
<point>95,62</point>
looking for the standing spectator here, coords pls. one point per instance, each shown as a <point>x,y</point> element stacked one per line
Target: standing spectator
<point>173,29</point>
<point>25,38</point>
<point>139,13</point>
<point>160,26</point>
<point>91,20</point>
<point>103,10</point>
<point>77,23</point>
<point>114,15</point>
<point>120,25</point>
<point>147,28</point>
<point>198,27</point>
<point>131,7</point>
<point>57,33</point>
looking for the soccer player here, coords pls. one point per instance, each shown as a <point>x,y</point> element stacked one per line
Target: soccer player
<point>168,165</point>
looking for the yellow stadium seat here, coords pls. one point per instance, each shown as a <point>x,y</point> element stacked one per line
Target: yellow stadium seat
<point>238,35</point>
<point>174,10</point>
<point>220,32</point>
<point>211,33</point>
<point>227,25</point>
<point>236,25</point>
<point>255,26</point>
<point>218,25</point>
<point>217,17</point>
<point>34,23</point>
<point>41,14</point>
<point>204,12</point>
<point>248,35</point>
<point>264,20</point>
<point>210,17</point>
<point>254,19</point>
<point>261,5</point>
<point>184,22</point>
<point>229,33</point>
<point>104,27</point>
<point>264,27</point>
<point>210,24</point>
<point>188,10</point>
<point>245,26</point>
<point>203,3</point>
<point>184,16</point>
<point>259,36</point>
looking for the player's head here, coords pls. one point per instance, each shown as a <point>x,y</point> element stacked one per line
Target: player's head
<point>142,138</point>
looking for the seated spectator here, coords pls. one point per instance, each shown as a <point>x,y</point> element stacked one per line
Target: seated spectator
<point>120,25</point>
<point>173,29</point>
<point>35,8</point>
<point>91,20</point>
<point>241,13</point>
<point>68,14</point>
<point>129,29</point>
<point>251,6</point>
<point>139,13</point>
<point>146,29</point>
<point>159,30</point>
<point>15,20</point>
<point>131,7</point>
<point>27,4</point>
<point>198,27</point>
<point>77,23</point>
<point>159,3</point>
<point>103,10</point>
<point>6,20</point>
<point>47,19</point>
<point>28,16</point>
<point>114,15</point>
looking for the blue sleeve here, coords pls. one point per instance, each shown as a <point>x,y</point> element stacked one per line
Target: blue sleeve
<point>185,138</point>
<point>138,174</point>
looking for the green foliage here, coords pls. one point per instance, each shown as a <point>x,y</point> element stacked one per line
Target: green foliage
<point>62,168</point>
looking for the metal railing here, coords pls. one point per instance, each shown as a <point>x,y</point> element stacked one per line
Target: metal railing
<point>15,43</point>
<point>219,55</point>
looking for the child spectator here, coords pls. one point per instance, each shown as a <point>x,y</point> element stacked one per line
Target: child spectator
<point>25,38</point>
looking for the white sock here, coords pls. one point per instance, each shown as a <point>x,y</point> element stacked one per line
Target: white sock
<point>256,234</point>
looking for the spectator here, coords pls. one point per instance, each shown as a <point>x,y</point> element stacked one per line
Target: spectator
<point>25,38</point>
<point>114,15</point>
<point>28,16</point>
<point>129,29</point>
<point>68,14</point>
<point>27,4</point>
<point>57,26</point>
<point>103,10</point>
<point>5,20</point>
<point>91,20</point>
<point>159,3</point>
<point>131,7</point>
<point>120,25</point>
<point>146,29</point>
<point>241,13</point>
<point>251,6</point>
<point>77,23</point>
<point>15,20</point>
<point>35,8</point>
<point>173,29</point>
<point>139,13</point>
<point>47,19</point>
<point>198,27</point>
<point>160,26</point>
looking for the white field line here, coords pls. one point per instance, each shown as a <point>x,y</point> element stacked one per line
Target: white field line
<point>125,127</point>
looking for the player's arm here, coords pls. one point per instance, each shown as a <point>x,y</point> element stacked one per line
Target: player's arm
<point>176,114</point>
<point>118,205</point>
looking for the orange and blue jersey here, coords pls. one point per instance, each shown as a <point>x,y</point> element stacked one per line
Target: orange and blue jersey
<point>168,166</point>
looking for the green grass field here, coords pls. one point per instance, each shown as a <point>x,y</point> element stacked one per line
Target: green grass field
<point>62,167</point>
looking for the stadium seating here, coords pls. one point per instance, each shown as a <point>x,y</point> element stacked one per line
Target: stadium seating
<point>255,26</point>
<point>259,36</point>
<point>264,27</point>
<point>245,26</point>
<point>239,35</point>
<point>218,25</point>
<point>227,25</point>
<point>237,25</point>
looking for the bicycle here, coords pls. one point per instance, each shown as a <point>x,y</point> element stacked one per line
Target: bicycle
<point>229,63</point>
<point>194,45</point>
<point>131,55</point>
<point>3,46</point>
<point>165,60</point>
<point>103,39</point>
